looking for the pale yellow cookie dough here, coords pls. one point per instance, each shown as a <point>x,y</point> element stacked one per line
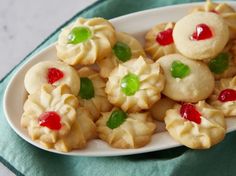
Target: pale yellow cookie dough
<point>229,108</point>
<point>196,86</point>
<point>49,99</point>
<point>151,83</point>
<point>152,47</point>
<point>200,49</point>
<point>158,110</point>
<point>37,75</point>
<point>209,132</point>
<point>96,47</point>
<point>110,62</point>
<point>83,130</point>
<point>99,102</point>
<point>136,131</point>
<point>222,9</point>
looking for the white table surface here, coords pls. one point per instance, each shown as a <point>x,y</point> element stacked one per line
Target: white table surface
<point>26,23</point>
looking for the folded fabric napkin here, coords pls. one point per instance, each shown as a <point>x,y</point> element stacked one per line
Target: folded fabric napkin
<point>24,159</point>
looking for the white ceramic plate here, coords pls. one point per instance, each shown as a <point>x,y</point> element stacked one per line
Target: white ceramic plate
<point>136,24</point>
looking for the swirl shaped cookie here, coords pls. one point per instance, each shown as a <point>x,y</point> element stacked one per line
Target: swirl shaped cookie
<point>159,40</point>
<point>92,95</point>
<point>222,9</point>
<point>224,96</point>
<point>201,35</point>
<point>51,72</point>
<point>85,41</point>
<point>186,80</point>
<point>49,113</point>
<point>122,130</point>
<point>83,130</point>
<point>197,126</point>
<point>126,48</point>
<point>135,85</point>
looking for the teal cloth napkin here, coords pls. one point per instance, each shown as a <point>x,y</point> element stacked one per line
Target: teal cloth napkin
<point>24,159</point>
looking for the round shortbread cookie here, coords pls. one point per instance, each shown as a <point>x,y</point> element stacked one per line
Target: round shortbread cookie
<point>51,72</point>
<point>200,35</point>
<point>186,80</point>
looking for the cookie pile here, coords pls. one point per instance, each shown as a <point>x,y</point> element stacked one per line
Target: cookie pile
<point>106,85</point>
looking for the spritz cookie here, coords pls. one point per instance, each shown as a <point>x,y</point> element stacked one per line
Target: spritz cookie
<point>92,94</point>
<point>197,126</point>
<point>224,96</point>
<point>85,41</point>
<point>83,130</point>
<point>159,40</point>
<point>126,48</point>
<point>222,9</point>
<point>49,113</point>
<point>135,85</point>
<point>201,35</point>
<point>123,130</point>
<point>158,110</point>
<point>51,72</point>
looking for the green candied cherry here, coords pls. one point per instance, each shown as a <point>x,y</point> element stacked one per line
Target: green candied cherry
<point>122,51</point>
<point>86,88</point>
<point>79,34</point>
<point>179,69</point>
<point>130,84</point>
<point>220,63</point>
<point>116,119</point>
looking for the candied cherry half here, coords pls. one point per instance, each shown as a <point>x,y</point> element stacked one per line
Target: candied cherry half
<point>227,95</point>
<point>165,37</point>
<point>202,32</point>
<point>130,84</point>
<point>79,34</point>
<point>189,112</point>
<point>122,51</point>
<point>116,119</point>
<point>51,120</point>
<point>54,75</point>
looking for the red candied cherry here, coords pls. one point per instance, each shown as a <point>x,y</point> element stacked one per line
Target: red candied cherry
<point>214,11</point>
<point>189,112</point>
<point>54,75</point>
<point>227,95</point>
<point>202,32</point>
<point>51,120</point>
<point>165,37</point>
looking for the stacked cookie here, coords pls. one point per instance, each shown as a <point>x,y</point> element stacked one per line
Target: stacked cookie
<point>105,85</point>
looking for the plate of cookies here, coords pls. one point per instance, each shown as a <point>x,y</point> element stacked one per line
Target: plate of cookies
<point>143,82</point>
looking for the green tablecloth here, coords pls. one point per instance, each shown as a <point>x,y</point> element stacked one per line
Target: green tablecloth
<point>24,159</point>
